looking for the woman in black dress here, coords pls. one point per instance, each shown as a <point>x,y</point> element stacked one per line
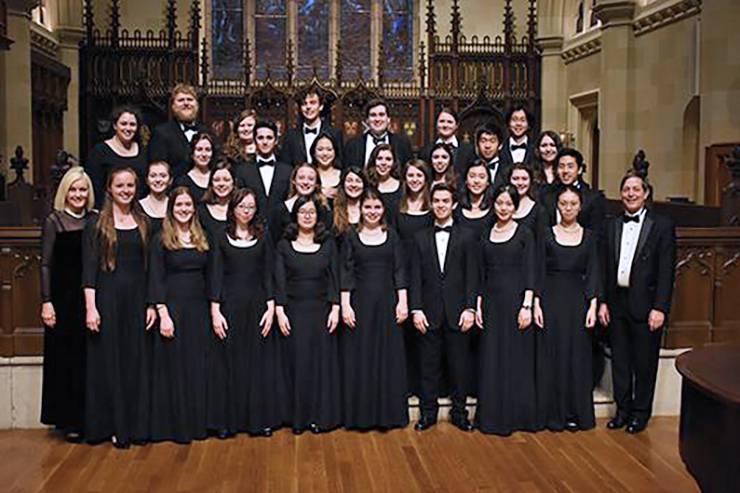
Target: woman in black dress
<point>413,216</point>
<point>240,145</point>
<point>440,157</point>
<point>325,156</point>
<point>545,168</point>
<point>567,311</point>
<point>202,150</point>
<point>178,266</point>
<point>307,299</point>
<point>63,307</point>
<point>154,205</point>
<point>475,205</point>
<point>304,182</point>
<point>121,150</point>
<point>118,346</point>
<point>212,209</point>
<point>506,372</point>
<point>347,204</point>
<point>247,388</point>
<point>374,305</point>
<point>382,173</point>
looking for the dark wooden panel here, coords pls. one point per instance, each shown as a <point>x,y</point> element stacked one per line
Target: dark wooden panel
<point>691,313</point>
<point>716,175</point>
<point>727,294</point>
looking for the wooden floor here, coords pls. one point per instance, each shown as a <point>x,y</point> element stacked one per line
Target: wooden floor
<point>441,459</point>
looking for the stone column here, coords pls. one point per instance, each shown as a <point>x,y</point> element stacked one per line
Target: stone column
<point>615,99</point>
<point>16,126</point>
<point>69,32</point>
<point>554,98</point>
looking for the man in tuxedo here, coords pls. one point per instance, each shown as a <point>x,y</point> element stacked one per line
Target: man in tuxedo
<point>444,284</point>
<point>639,266</point>
<point>463,153</point>
<point>296,147</point>
<point>170,141</point>
<point>519,148</point>
<point>358,149</point>
<point>488,138</point>
<point>267,177</point>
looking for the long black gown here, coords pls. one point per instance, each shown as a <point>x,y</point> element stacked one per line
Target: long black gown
<point>63,389</point>
<point>195,190</point>
<point>407,225</point>
<point>391,201</point>
<point>279,219</point>
<point>506,378</point>
<point>374,358</point>
<point>564,377</point>
<point>177,279</point>
<point>536,220</point>
<point>117,392</point>
<point>215,228</point>
<point>102,159</point>
<point>306,285</point>
<point>247,389</point>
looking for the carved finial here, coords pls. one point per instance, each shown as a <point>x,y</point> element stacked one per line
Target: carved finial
<point>431,21</point>
<point>19,164</point>
<point>204,61</point>
<point>289,65</point>
<point>455,24</point>
<point>115,21</point>
<point>508,25</point>
<point>89,17</point>
<point>247,62</point>
<point>338,69</point>
<point>532,24</point>
<point>171,22</point>
<point>195,24</point>
<point>422,65</point>
<point>381,62</point>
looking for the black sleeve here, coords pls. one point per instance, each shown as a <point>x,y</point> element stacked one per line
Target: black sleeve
<point>400,277</point>
<point>268,279</point>
<point>280,274</point>
<point>415,286</point>
<point>48,237</point>
<point>593,269</point>
<point>541,225</point>
<point>90,255</point>
<point>96,170</point>
<point>666,267</point>
<point>215,272</point>
<point>347,267</point>
<point>333,274</point>
<point>598,213</point>
<point>157,286</point>
<point>530,259</point>
<point>472,272</point>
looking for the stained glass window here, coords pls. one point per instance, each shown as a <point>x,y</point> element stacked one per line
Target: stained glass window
<point>398,39</point>
<point>270,35</point>
<point>227,38</point>
<point>313,37</point>
<point>355,37</point>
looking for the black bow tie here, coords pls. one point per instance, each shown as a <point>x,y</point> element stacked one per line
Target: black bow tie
<point>189,126</point>
<point>629,219</point>
<point>443,229</point>
<point>379,140</point>
<point>307,130</point>
<point>262,162</point>
<point>493,165</point>
<point>515,147</point>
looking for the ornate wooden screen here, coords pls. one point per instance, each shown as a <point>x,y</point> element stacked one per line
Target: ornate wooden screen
<point>478,77</point>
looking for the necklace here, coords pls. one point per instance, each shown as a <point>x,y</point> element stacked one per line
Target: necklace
<point>504,229</point>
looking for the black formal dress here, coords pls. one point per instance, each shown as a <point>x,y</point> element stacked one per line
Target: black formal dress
<point>293,148</point>
<point>477,226</point>
<point>355,150</point>
<point>155,224</point>
<point>635,349</point>
<point>249,176</point>
<point>195,190</point>
<point>593,209</point>
<point>279,218</point>
<point>117,391</point>
<point>102,159</point>
<point>63,388</point>
<point>499,171</point>
<point>374,359</point>
<point>214,227</point>
<point>536,221</point>
<point>443,293</point>
<point>247,387</point>
<point>506,378</point>
<point>306,285</point>
<point>407,225</point>
<point>392,202</point>
<point>564,353</point>
<point>462,155</point>
<point>169,143</point>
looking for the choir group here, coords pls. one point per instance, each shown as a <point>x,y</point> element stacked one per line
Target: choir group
<point>249,285</point>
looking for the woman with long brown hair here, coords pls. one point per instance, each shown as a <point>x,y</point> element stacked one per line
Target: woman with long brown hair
<point>215,203</point>
<point>118,345</point>
<point>347,204</point>
<point>179,262</point>
<point>202,157</point>
<point>382,173</point>
<point>240,145</point>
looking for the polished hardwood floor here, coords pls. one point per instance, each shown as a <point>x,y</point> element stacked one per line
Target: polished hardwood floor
<point>440,459</point>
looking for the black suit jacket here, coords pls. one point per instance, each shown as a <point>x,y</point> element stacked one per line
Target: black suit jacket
<point>502,174</point>
<point>293,148</point>
<point>506,156</point>
<point>593,209</point>
<point>463,155</point>
<point>354,151</point>
<point>249,176</point>
<point>653,266</point>
<point>169,143</point>
<point>445,294</point>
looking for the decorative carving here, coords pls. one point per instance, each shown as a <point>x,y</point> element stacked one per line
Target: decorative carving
<point>194,24</point>
<point>19,164</point>
<point>670,13</point>
<point>699,256</point>
<point>582,50</point>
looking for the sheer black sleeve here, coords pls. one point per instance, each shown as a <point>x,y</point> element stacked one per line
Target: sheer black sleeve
<point>90,254</point>
<point>530,260</point>
<point>157,288</point>
<point>473,268</point>
<point>347,268</point>
<point>281,275</point>
<point>268,281</point>
<point>400,277</point>
<point>415,286</point>
<point>215,270</point>
<point>593,268</point>
<point>333,273</point>
<point>48,237</point>
<point>541,225</point>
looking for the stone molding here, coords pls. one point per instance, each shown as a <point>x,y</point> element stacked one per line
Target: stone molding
<point>664,14</point>
<point>43,41</point>
<point>585,45</point>
<point>613,13</point>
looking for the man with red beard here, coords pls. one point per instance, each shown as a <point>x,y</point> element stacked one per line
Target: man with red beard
<point>171,140</point>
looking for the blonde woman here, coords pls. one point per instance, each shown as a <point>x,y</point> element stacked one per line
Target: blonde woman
<point>62,307</point>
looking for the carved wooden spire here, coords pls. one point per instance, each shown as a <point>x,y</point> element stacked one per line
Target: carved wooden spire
<point>508,26</point>
<point>338,68</point>
<point>195,24</point>
<point>171,22</point>
<point>431,23</point>
<point>115,22</point>
<point>89,19</point>
<point>381,62</point>
<point>247,62</point>
<point>532,25</point>
<point>289,65</point>
<point>204,61</point>
<point>456,24</point>
<point>422,65</point>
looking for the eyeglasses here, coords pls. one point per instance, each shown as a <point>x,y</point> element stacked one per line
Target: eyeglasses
<point>246,208</point>
<point>308,213</point>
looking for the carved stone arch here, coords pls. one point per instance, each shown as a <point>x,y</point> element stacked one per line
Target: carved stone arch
<point>476,115</point>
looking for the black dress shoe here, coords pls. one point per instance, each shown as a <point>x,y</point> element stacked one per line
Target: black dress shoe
<point>424,423</point>
<point>264,432</point>
<point>73,436</point>
<point>636,425</point>
<point>462,423</point>
<point>315,429</point>
<point>616,423</point>
<point>224,434</point>
<point>572,426</point>
<point>121,444</point>
<point>298,431</point>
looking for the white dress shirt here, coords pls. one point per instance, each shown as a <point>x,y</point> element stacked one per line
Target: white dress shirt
<point>370,145</point>
<point>628,247</point>
<point>517,155</point>
<point>442,239</point>
<point>267,172</point>
<point>189,133</point>
<point>309,138</point>
<point>452,142</point>
<point>493,171</point>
